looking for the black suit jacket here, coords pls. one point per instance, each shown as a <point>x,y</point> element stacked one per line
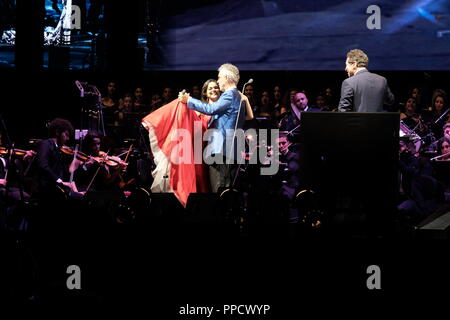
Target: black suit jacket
<point>365,92</point>
<point>51,165</point>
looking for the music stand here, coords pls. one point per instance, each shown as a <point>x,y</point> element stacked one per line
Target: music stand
<point>91,108</point>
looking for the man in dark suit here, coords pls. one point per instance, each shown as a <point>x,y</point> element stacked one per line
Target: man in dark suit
<point>53,168</point>
<point>363,91</point>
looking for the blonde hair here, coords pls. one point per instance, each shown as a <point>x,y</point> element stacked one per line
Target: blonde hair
<point>231,72</point>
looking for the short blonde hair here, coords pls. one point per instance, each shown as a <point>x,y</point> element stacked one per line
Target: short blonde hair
<point>231,72</point>
<point>358,56</point>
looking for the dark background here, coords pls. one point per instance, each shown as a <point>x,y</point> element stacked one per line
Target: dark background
<point>308,35</point>
<point>254,34</point>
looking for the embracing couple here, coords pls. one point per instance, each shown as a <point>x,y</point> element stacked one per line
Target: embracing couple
<point>220,108</point>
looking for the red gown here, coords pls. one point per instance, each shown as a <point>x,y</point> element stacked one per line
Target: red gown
<point>171,175</point>
<point>201,170</point>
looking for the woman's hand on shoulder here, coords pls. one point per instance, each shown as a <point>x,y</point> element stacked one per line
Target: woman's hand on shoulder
<point>243,96</point>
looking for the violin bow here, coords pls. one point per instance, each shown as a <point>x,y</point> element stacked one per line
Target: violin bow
<point>95,175</point>
<point>74,157</point>
<point>11,150</point>
<point>122,181</point>
<point>128,153</point>
<point>29,165</point>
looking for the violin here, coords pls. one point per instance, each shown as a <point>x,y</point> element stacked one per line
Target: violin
<point>103,158</point>
<point>111,161</point>
<point>71,151</point>
<point>16,152</point>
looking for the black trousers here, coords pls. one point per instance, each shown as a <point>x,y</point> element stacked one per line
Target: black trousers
<point>220,176</point>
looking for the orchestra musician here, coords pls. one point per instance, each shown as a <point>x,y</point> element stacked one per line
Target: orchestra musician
<point>52,164</point>
<point>97,171</point>
<point>442,171</point>
<point>444,149</point>
<point>439,114</point>
<point>445,133</point>
<point>411,118</point>
<point>290,154</point>
<point>17,155</point>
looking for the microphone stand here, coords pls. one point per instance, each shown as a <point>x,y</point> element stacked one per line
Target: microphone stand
<point>81,88</point>
<point>235,127</point>
<point>91,91</point>
<point>251,151</point>
<point>101,123</point>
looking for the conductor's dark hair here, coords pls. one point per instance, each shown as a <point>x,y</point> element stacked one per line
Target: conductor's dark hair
<point>58,126</point>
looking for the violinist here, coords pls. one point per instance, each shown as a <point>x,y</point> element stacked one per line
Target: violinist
<point>52,164</point>
<point>96,170</point>
<point>24,154</point>
<point>13,191</point>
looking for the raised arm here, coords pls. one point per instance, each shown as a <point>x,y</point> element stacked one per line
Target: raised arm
<point>248,107</point>
<point>219,106</point>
